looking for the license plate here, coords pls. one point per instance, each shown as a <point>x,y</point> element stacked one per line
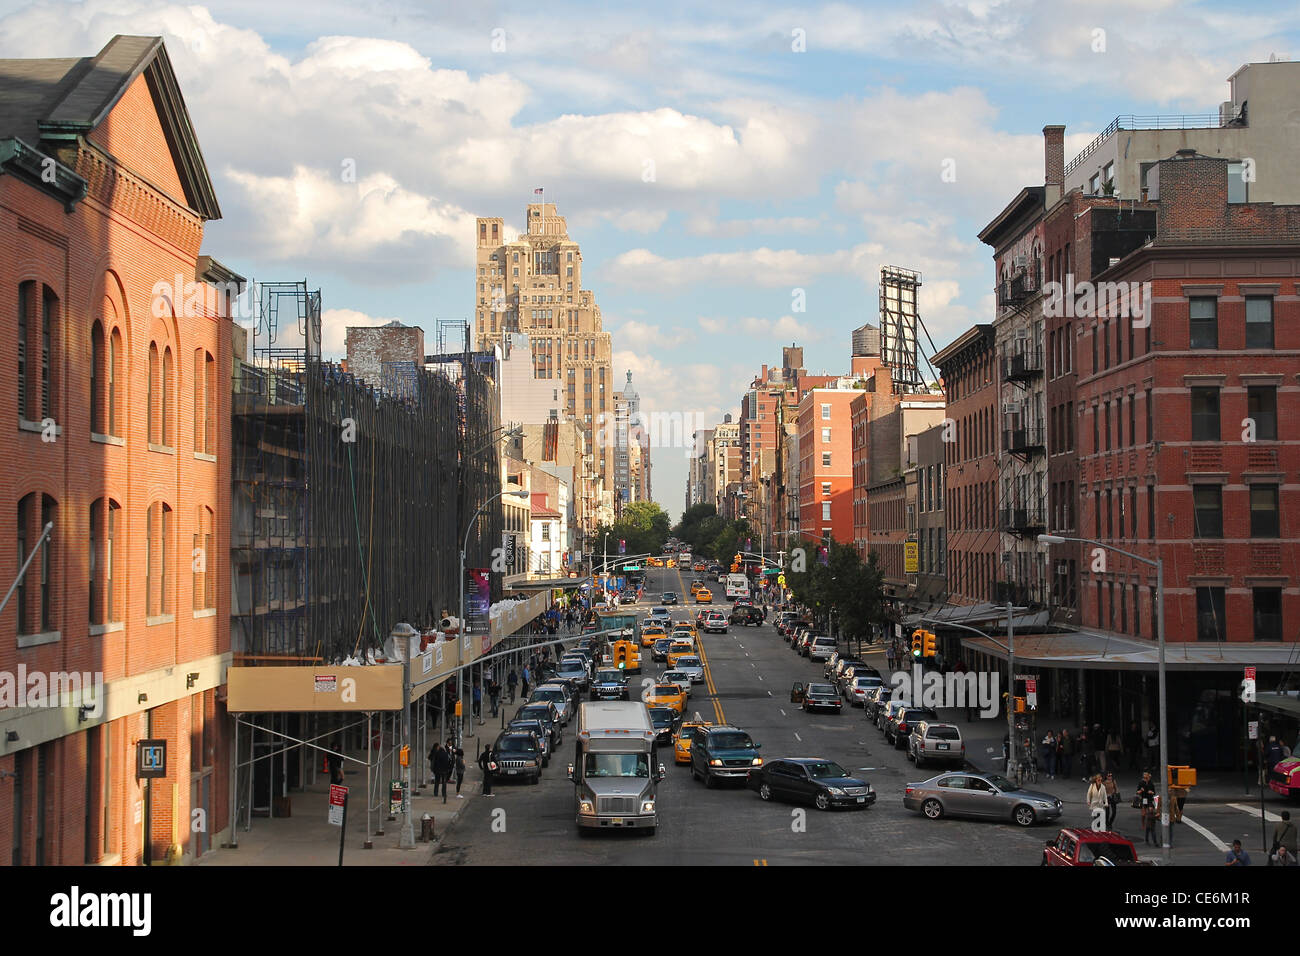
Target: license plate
<point>512,772</point>
<point>862,799</point>
<point>941,746</point>
<point>617,821</point>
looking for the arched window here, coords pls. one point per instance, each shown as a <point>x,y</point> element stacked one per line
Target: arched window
<point>98,380</point>
<point>114,371</point>
<point>205,582</point>
<point>155,389</point>
<point>36,337</point>
<point>168,400</point>
<point>35,593</point>
<point>105,604</point>
<point>205,399</point>
<point>158,559</point>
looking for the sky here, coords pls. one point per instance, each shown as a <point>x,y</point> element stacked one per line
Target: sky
<point>735,177</point>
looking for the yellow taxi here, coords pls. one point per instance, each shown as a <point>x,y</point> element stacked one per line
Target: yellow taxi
<point>666,695</point>
<point>695,587</point>
<point>654,562</point>
<point>679,649</point>
<point>700,565</point>
<point>703,596</point>
<point>686,629</point>
<point>651,633</point>
<point>682,740</point>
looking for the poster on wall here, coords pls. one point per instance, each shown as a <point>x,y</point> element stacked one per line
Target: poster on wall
<point>478,597</point>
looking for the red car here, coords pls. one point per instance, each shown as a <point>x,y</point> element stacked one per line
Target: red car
<point>1078,847</point>
<point>1284,778</point>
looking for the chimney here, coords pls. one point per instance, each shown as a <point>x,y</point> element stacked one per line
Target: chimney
<point>1053,162</point>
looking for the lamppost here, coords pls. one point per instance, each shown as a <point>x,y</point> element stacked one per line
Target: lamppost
<point>464,545</point>
<point>1159,565</point>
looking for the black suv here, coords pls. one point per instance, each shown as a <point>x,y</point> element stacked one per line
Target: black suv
<point>518,756</point>
<point>544,711</point>
<point>668,597</point>
<point>723,753</point>
<point>899,729</point>
<point>538,730</point>
<point>746,614</point>
<point>609,684</point>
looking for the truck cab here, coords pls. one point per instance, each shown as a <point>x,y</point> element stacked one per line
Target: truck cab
<point>616,768</point>
<point>1075,846</point>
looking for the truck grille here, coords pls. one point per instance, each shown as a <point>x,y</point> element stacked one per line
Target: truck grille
<point>737,763</point>
<point>513,764</point>
<point>616,805</point>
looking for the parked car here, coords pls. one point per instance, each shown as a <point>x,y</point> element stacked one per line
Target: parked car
<point>886,713</point>
<point>538,730</point>
<point>558,696</point>
<point>980,795</point>
<point>902,722</point>
<point>721,753</point>
<point>544,711</point>
<point>518,756</point>
<point>1075,846</point>
<point>816,780</point>
<point>875,702</point>
<point>933,742</point>
<point>819,648</point>
<point>715,621</point>
<point>857,688</point>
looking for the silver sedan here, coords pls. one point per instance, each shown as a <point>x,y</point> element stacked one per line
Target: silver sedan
<point>986,795</point>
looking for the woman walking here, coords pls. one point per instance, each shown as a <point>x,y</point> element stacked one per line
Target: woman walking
<point>1112,799</point>
<point>1096,798</point>
<point>1145,800</point>
<point>1049,754</point>
<point>1065,744</point>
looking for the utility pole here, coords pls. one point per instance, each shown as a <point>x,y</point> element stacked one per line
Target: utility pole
<point>403,638</point>
<point>1011,691</point>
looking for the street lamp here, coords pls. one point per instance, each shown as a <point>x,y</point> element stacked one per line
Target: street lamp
<point>460,678</point>
<point>1159,565</point>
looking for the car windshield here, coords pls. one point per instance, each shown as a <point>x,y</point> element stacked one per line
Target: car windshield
<point>687,733</point>
<point>667,690</point>
<point>1118,852</point>
<point>825,769</point>
<point>515,745</point>
<point>609,677</point>
<point>868,681</point>
<point>1002,783</point>
<point>823,689</point>
<point>662,715</point>
<point>688,662</point>
<point>556,695</point>
<point>617,765</point>
<point>672,677</point>
<point>537,713</point>
<point>731,741</point>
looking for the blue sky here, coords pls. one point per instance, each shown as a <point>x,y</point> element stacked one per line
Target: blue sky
<point>773,168</point>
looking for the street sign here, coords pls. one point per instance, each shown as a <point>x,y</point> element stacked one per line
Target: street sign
<point>396,797</point>
<point>1250,673</point>
<point>1252,730</point>
<point>151,758</point>
<point>1031,693</point>
<point>338,798</point>
<point>910,558</point>
<point>1248,686</point>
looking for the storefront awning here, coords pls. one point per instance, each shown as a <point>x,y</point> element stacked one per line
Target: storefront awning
<point>1288,704</point>
<point>1098,651</point>
<point>977,615</point>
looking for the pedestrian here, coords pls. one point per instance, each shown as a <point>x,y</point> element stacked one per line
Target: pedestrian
<point>442,767</point>
<point>477,695</point>
<point>1133,745</point>
<point>524,686</point>
<point>889,657</point>
<point>1067,744</point>
<point>1114,751</point>
<point>1237,856</point>
<point>1145,800</point>
<point>1049,754</point>
<point>1084,751</point>
<point>1272,754</point>
<point>1153,746</point>
<point>1112,799</point>
<point>433,764</point>
<point>460,772</point>
<point>494,694</point>
<point>1283,851</point>
<point>512,681</point>
<point>1096,798</point>
<point>487,761</point>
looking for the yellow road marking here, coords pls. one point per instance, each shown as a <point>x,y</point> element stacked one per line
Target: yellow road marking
<point>718,714</point>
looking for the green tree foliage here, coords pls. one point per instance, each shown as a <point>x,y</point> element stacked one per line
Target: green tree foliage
<point>854,588</point>
<point>643,525</point>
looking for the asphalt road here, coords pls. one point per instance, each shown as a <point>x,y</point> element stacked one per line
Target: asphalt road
<point>752,670</point>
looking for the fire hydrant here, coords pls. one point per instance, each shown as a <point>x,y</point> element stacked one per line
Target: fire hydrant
<point>426,828</point>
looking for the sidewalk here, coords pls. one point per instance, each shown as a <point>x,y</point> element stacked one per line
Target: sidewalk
<point>307,839</point>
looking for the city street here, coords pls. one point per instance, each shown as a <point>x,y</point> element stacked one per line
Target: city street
<point>753,670</point>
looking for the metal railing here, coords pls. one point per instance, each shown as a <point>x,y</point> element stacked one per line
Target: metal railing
<point>1024,364</point>
<point>1129,121</point>
<point>1022,439</point>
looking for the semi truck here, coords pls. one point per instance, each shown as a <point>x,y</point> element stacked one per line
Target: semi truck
<point>616,768</point>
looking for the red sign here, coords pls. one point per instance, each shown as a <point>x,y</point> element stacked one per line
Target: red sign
<point>338,799</point>
<point>1250,673</point>
<point>1031,687</point>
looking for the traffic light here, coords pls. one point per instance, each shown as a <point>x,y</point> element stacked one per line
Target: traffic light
<point>824,556</point>
<point>620,656</point>
<point>622,546</point>
<point>918,643</point>
<point>928,647</point>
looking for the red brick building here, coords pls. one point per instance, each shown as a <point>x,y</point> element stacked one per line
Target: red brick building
<point>826,463</point>
<point>118,402</point>
<point>970,378</point>
<point>1187,427</point>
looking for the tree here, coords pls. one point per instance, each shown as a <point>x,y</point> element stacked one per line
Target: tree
<point>852,588</point>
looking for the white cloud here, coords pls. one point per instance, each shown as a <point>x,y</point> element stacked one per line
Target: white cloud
<point>711,226</point>
<point>647,335</point>
<point>786,327</point>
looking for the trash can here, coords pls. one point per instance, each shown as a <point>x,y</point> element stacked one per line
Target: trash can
<point>426,828</point>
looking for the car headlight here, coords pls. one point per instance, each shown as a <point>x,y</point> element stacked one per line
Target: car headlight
<point>648,806</point>
<point>835,790</point>
<point>715,762</point>
<point>584,806</point>
<point>757,761</point>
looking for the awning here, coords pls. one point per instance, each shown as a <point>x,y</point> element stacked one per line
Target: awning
<point>1288,704</point>
<point>1098,651</point>
<point>548,584</point>
<point>973,615</point>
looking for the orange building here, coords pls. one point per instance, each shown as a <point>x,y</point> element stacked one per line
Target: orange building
<point>118,402</point>
<point>826,463</point>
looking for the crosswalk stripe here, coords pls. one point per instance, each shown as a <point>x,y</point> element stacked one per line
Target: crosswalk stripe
<point>1269,815</point>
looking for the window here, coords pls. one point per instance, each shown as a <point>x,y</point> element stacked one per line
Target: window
<point>826,511</point>
<point>826,489</point>
<point>1204,322</point>
<point>546,531</point>
<point>205,584</point>
<point>1207,501</point>
<point>155,385</point>
<point>1263,511</point>
<point>1268,613</point>
<point>1096,429</point>
<point>35,363</point>
<point>1205,414</point>
<point>1151,512</point>
<point>1210,624</point>
<point>1106,413</point>
<point>98,370</point>
<point>205,397</point>
<point>826,459</point>
<point>157,559</point>
<point>24,520</point>
<point>1094,184</point>
<point>1150,436</point>
<point>826,412</point>
<point>104,522</point>
<point>1259,322</point>
<point>1261,408</point>
<point>1132,420</point>
<point>1108,175</point>
<point>826,436</point>
<point>1238,188</point>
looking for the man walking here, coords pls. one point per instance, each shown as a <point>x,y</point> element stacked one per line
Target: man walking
<point>1284,842</point>
<point>524,686</point>
<point>441,770</point>
<point>512,681</point>
<point>478,702</point>
<point>1237,856</point>
<point>494,694</point>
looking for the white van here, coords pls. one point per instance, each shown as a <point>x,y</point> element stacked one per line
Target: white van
<point>737,587</point>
